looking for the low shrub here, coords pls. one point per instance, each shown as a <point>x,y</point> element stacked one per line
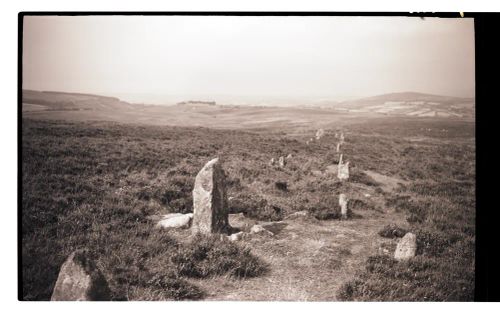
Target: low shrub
<point>207,256</point>
<point>255,207</point>
<point>392,231</point>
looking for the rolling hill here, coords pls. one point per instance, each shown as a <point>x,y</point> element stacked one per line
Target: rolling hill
<point>52,100</point>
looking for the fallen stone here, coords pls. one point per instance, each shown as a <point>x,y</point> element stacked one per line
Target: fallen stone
<point>210,206</point>
<point>237,236</point>
<point>289,156</point>
<point>406,248</point>
<point>240,222</point>
<point>175,221</point>
<point>259,229</point>
<point>298,214</point>
<point>80,280</point>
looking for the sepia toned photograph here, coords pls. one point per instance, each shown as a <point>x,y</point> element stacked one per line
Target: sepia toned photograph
<point>226,157</point>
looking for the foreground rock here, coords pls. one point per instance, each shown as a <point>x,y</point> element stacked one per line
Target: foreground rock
<point>210,207</point>
<point>175,221</point>
<point>406,248</point>
<point>80,279</point>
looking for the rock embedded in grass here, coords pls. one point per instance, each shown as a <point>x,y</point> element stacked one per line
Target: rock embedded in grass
<point>406,248</point>
<point>176,220</point>
<point>259,229</point>
<point>210,206</point>
<point>80,280</point>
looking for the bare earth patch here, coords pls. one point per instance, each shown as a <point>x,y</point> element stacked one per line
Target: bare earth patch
<point>308,259</point>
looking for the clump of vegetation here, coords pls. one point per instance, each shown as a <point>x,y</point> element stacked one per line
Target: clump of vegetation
<point>281,185</point>
<point>209,256</point>
<point>255,207</point>
<point>170,287</point>
<point>392,231</point>
<point>359,176</point>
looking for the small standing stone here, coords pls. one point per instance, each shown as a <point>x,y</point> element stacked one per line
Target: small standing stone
<point>272,161</point>
<point>80,279</point>
<point>338,147</point>
<point>210,206</point>
<point>343,205</point>
<point>282,161</point>
<point>406,248</point>
<point>320,133</point>
<point>343,170</point>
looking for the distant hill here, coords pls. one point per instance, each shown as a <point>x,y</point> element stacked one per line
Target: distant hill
<point>52,100</point>
<point>411,104</point>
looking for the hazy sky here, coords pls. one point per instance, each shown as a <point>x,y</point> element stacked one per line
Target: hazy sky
<point>284,56</point>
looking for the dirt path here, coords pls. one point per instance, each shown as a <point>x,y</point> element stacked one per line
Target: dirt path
<point>308,259</point>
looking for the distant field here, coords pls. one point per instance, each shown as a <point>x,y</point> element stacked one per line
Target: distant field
<point>90,182</point>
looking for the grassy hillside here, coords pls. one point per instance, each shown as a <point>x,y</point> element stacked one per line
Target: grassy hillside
<point>94,185</point>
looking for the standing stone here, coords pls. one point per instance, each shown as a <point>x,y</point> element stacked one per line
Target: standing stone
<point>320,133</point>
<point>282,161</point>
<point>343,170</point>
<point>338,147</point>
<point>342,137</point>
<point>343,205</point>
<point>80,279</point>
<point>272,161</point>
<point>406,248</point>
<point>336,135</point>
<point>210,207</point>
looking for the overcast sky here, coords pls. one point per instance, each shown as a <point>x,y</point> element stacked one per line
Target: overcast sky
<point>279,56</point>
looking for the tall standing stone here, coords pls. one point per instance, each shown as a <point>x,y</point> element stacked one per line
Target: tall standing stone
<point>406,248</point>
<point>338,147</point>
<point>210,207</point>
<point>343,205</point>
<point>80,279</point>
